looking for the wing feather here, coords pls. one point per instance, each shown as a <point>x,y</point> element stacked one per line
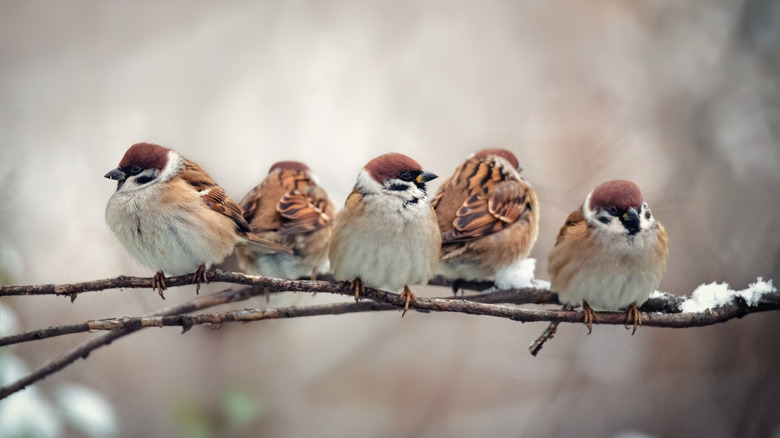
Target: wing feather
<point>481,215</point>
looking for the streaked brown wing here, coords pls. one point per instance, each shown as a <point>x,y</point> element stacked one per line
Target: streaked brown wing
<point>574,218</point>
<point>304,213</point>
<point>213,195</point>
<point>250,202</point>
<point>481,216</point>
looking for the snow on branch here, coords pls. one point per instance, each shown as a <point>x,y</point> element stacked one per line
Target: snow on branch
<point>661,310</point>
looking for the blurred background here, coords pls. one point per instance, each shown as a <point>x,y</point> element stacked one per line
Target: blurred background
<point>680,97</point>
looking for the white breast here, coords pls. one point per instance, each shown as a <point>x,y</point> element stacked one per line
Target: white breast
<point>614,278</point>
<point>388,247</point>
<point>170,238</point>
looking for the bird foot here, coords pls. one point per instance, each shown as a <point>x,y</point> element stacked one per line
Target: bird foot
<point>590,316</point>
<point>200,277</point>
<point>456,286</point>
<point>633,312</point>
<point>358,287</point>
<point>409,296</point>
<point>158,282</point>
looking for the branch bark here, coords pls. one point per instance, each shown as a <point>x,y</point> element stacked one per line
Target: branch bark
<point>83,350</point>
<point>657,312</point>
<point>668,303</point>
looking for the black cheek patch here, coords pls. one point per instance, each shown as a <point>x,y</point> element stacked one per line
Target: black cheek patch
<point>144,179</point>
<point>647,215</point>
<point>605,220</point>
<point>411,201</point>
<point>398,187</point>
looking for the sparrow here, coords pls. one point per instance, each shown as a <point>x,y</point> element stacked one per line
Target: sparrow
<point>386,236</point>
<point>172,217</point>
<point>611,253</point>
<point>488,216</point>
<point>290,208</point>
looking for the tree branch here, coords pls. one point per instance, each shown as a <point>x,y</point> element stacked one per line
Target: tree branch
<point>669,303</point>
<point>658,311</point>
<point>83,350</point>
<point>712,316</point>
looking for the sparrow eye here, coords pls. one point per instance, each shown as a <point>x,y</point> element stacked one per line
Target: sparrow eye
<point>135,170</point>
<point>406,175</point>
<point>612,210</point>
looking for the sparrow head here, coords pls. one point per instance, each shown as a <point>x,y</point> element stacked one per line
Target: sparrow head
<point>618,207</point>
<point>288,165</point>
<point>396,175</point>
<point>498,152</point>
<point>144,164</point>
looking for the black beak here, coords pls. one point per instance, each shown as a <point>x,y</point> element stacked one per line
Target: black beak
<point>630,220</point>
<point>425,177</point>
<point>116,174</point>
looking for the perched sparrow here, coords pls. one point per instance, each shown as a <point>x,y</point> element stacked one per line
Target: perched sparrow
<point>611,253</point>
<point>289,208</point>
<point>172,217</point>
<point>488,216</point>
<point>386,235</point>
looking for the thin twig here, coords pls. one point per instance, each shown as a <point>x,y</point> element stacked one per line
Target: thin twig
<point>83,350</point>
<point>546,335</point>
<point>388,301</point>
<point>191,320</point>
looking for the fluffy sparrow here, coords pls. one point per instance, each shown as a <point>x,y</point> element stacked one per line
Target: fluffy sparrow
<point>172,217</point>
<point>488,216</point>
<point>611,253</point>
<point>386,235</point>
<point>289,208</point>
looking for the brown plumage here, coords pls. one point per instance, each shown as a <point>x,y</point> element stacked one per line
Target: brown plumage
<point>288,207</point>
<point>171,216</point>
<point>386,235</point>
<point>488,216</point>
<point>610,253</point>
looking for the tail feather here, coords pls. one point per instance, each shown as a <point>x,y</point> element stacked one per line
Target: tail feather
<point>259,244</point>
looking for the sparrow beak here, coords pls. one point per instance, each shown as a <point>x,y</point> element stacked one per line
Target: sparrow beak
<point>630,220</point>
<point>116,174</point>
<point>425,177</point>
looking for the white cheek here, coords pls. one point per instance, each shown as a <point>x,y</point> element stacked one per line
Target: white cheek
<point>366,184</point>
<point>646,223</point>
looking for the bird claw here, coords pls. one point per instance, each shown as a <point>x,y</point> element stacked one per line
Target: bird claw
<point>158,282</point>
<point>358,287</point>
<point>409,296</point>
<point>200,277</point>
<point>456,286</point>
<point>590,316</point>
<point>633,312</point>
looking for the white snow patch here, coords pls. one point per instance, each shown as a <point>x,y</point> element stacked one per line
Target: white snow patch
<point>518,275</point>
<point>541,284</point>
<point>709,296</point>
<point>659,294</point>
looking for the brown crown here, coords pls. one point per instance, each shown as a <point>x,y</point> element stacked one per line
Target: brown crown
<point>391,165</point>
<point>289,165</point>
<point>146,155</point>
<point>619,193</point>
<point>503,153</point>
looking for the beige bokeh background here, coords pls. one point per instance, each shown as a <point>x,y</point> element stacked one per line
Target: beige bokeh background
<point>681,97</point>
